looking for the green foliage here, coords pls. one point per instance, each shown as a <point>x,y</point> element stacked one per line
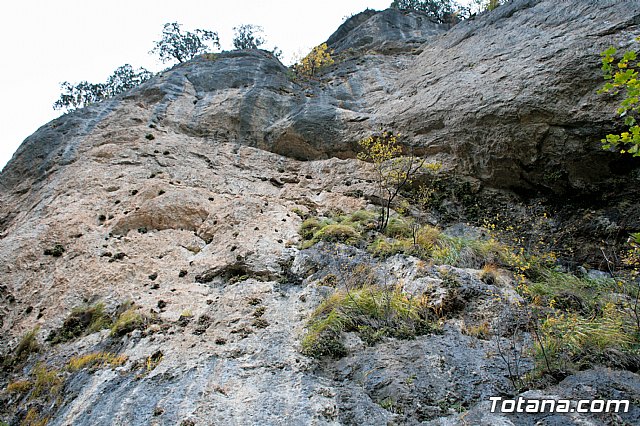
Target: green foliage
<point>96,360</point>
<point>371,311</point>
<point>85,93</point>
<point>568,292</point>
<point>337,233</point>
<point>403,237</point>
<point>309,227</point>
<point>47,382</point>
<point>28,345</point>
<point>345,228</point>
<point>385,247</point>
<point>56,251</point>
<point>318,58</point>
<point>128,321</point>
<point>82,320</point>
<point>492,4</point>
<point>622,75</point>
<point>572,341</point>
<point>443,11</point>
<point>182,46</point>
<point>247,37</point>
<point>393,171</point>
<point>430,243</point>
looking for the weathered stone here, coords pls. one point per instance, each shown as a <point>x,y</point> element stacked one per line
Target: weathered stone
<point>238,146</point>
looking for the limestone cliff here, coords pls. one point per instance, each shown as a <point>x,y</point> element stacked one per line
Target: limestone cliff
<point>185,196</point>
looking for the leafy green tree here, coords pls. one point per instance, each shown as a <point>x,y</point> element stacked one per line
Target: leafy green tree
<point>443,11</point>
<point>247,37</point>
<point>622,75</point>
<point>182,46</point>
<point>85,93</point>
<point>125,78</point>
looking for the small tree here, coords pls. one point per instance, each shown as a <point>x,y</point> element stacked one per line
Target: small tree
<point>85,93</point>
<point>184,46</point>
<point>247,37</point>
<point>443,11</point>
<point>393,170</point>
<point>125,78</point>
<point>622,74</point>
<point>319,57</point>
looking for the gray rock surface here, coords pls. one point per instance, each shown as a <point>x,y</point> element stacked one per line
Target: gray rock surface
<point>511,95</point>
<point>239,149</point>
<point>508,97</point>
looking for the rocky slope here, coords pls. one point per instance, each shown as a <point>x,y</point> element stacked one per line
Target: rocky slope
<point>184,196</point>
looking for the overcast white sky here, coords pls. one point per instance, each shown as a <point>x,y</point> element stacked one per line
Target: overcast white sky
<point>45,42</point>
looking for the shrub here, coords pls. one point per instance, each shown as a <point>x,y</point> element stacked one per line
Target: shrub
<point>56,251</point>
<point>33,418</point>
<point>28,345</point>
<point>47,382</point>
<point>385,247</point>
<point>128,321</point>
<point>569,341</point>
<point>398,228</point>
<point>364,218</point>
<point>392,170</point>
<point>371,311</point>
<point>85,93</point>
<point>568,292</point>
<point>96,360</point>
<point>443,11</point>
<point>337,233</point>
<point>20,386</point>
<point>622,74</point>
<point>81,320</point>
<point>309,227</point>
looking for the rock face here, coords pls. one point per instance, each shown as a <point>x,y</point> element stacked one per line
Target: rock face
<point>183,196</point>
<point>508,97</point>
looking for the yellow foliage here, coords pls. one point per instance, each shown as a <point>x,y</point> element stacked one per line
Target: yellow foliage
<point>21,386</point>
<point>33,418</point>
<point>97,359</point>
<point>393,170</point>
<point>47,383</point>
<point>319,57</point>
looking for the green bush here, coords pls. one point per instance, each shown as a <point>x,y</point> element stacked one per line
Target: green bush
<point>337,233</point>
<point>570,341</point>
<point>128,321</point>
<point>622,74</point>
<point>443,11</point>
<point>28,345</point>
<point>81,320</point>
<point>371,311</point>
<point>309,227</point>
<point>398,228</point>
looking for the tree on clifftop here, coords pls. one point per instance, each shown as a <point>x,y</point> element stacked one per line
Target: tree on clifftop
<point>319,57</point>
<point>247,37</point>
<point>85,93</point>
<point>443,11</point>
<point>184,46</point>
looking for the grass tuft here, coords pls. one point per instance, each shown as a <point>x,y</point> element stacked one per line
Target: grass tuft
<point>96,360</point>
<point>371,311</point>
